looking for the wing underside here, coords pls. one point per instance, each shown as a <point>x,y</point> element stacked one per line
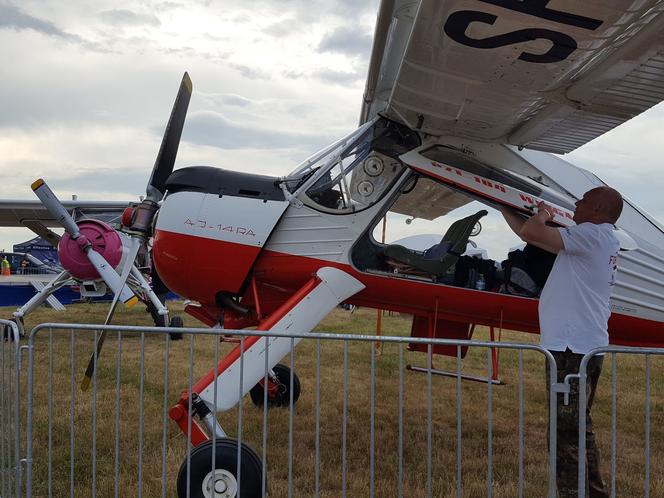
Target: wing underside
<point>14,213</point>
<point>543,74</point>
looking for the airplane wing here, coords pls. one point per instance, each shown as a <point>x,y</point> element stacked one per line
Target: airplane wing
<point>14,213</point>
<point>549,75</point>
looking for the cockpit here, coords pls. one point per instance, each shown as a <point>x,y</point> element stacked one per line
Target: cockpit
<point>355,172</point>
<point>359,171</point>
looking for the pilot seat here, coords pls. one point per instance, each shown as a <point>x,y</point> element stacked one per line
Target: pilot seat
<point>438,259</point>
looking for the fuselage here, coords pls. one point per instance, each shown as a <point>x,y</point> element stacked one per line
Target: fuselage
<point>221,233</point>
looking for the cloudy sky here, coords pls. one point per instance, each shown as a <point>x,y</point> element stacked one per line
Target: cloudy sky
<point>87,88</point>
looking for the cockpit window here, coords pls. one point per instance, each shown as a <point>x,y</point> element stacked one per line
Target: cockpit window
<point>358,171</point>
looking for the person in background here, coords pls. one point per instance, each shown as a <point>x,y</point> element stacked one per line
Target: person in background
<point>5,266</point>
<point>23,266</point>
<point>573,315</point>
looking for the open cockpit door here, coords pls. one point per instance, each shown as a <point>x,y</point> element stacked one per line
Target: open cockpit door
<point>479,181</point>
<point>498,187</point>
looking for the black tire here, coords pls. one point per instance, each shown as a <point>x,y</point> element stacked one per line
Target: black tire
<point>251,470</point>
<point>177,322</point>
<point>282,397</point>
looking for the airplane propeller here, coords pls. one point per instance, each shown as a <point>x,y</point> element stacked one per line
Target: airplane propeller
<point>91,249</point>
<point>137,220</point>
<point>100,264</point>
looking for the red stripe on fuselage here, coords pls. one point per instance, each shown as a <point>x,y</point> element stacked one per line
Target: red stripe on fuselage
<point>452,303</point>
<point>197,267</point>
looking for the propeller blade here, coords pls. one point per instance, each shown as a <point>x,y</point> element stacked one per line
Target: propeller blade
<point>131,257</point>
<point>111,277</point>
<point>163,166</point>
<point>89,371</point>
<point>55,207</point>
<point>43,231</point>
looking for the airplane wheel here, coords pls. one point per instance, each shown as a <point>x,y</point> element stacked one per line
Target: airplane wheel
<point>221,482</point>
<point>176,321</point>
<point>278,393</point>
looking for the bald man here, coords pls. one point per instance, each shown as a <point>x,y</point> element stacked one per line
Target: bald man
<point>573,314</point>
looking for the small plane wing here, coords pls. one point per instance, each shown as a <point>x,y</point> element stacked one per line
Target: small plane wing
<point>539,74</point>
<point>13,213</point>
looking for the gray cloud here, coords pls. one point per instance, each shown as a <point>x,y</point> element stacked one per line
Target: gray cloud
<point>213,129</point>
<point>236,100</point>
<point>238,108</point>
<point>329,76</point>
<point>126,181</point>
<point>347,40</point>
<point>250,72</point>
<point>312,10</point>
<point>11,17</point>
<point>339,77</point>
<point>125,17</point>
<point>357,6</point>
<point>166,6</point>
<point>282,28</point>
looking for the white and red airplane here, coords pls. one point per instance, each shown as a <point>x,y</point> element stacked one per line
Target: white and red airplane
<point>465,100</point>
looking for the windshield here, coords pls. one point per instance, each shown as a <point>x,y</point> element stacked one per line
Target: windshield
<point>356,171</point>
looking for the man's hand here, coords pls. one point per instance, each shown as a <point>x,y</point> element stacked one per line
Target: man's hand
<point>544,211</point>
<point>535,231</point>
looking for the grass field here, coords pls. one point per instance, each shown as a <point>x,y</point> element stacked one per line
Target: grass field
<point>147,451</point>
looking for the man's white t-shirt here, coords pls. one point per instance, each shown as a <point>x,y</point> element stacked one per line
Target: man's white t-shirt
<point>574,304</point>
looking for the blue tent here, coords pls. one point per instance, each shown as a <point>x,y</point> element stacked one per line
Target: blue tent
<point>40,249</point>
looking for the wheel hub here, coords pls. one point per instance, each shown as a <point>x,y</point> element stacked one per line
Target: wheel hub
<point>219,484</point>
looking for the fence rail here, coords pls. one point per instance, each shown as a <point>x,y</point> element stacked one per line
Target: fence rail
<point>10,421</point>
<point>332,419</point>
<point>582,379</point>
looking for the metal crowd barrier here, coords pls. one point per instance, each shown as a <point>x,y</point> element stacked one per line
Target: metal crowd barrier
<point>582,378</point>
<point>10,420</point>
<point>117,439</point>
<point>361,427</point>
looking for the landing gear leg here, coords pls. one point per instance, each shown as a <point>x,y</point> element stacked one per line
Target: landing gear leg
<point>160,318</point>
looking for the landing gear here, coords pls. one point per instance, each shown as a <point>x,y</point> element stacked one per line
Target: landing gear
<point>221,482</point>
<point>160,320</point>
<point>278,388</point>
<point>176,322</point>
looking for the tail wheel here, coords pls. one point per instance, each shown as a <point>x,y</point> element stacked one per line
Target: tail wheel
<point>221,482</point>
<point>278,389</point>
<point>176,322</point>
